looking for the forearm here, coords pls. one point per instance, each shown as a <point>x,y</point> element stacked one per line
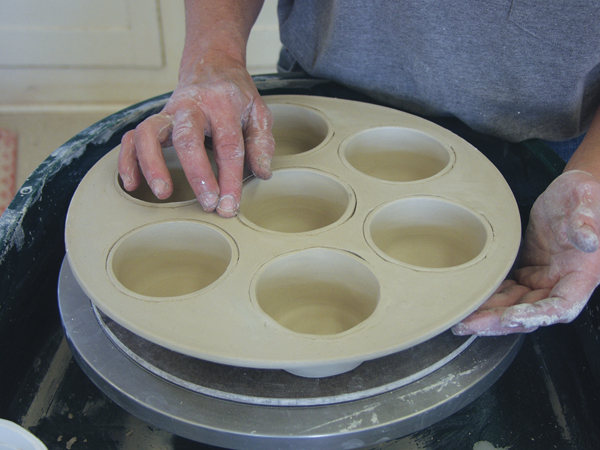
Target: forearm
<point>587,155</point>
<point>217,28</point>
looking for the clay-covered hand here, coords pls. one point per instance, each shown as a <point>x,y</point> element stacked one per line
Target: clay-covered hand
<point>560,265</point>
<point>215,97</point>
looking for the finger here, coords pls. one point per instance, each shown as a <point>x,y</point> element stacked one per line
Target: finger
<point>582,225</point>
<point>581,230</point>
<point>258,140</point>
<point>563,304</point>
<point>148,139</point>
<point>188,140</point>
<point>487,323</point>
<point>541,313</point>
<point>507,294</point>
<point>129,169</point>
<point>228,146</point>
<point>537,277</point>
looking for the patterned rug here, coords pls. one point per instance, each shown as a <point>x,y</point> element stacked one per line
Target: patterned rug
<point>8,167</point>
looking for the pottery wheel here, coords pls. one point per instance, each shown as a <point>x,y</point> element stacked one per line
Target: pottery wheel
<point>278,387</point>
<point>239,408</point>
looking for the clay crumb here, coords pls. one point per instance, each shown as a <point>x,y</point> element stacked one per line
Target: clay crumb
<point>70,443</point>
<point>484,445</point>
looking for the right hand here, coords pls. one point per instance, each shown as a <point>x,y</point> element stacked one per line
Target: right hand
<point>215,97</point>
<point>560,266</point>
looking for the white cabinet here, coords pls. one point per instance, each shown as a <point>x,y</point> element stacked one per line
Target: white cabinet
<point>80,33</point>
<point>109,51</point>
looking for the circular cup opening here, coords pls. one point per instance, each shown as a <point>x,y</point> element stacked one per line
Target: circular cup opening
<point>295,201</point>
<point>396,154</point>
<point>317,291</point>
<point>427,232</point>
<point>182,191</point>
<point>169,259</point>
<point>297,129</point>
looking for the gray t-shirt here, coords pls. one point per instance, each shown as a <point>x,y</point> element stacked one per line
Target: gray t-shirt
<point>515,69</point>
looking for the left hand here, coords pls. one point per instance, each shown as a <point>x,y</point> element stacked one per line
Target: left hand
<point>560,266</point>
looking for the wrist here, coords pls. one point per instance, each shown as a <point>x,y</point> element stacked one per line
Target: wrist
<point>218,28</point>
<point>584,162</point>
<point>587,155</point>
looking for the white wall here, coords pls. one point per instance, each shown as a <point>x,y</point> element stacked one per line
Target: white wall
<point>80,52</point>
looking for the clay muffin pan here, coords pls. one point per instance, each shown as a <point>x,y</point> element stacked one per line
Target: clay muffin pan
<point>377,231</point>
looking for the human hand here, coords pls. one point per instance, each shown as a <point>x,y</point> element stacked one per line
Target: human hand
<point>215,97</point>
<point>560,266</point>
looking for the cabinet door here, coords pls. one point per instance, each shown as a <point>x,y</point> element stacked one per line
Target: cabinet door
<point>103,51</point>
<point>80,33</point>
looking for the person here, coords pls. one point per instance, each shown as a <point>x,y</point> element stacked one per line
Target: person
<point>512,69</point>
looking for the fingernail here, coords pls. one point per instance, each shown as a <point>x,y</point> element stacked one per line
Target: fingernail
<point>265,162</point>
<point>208,201</point>
<point>460,329</point>
<point>159,187</point>
<point>127,180</point>
<point>227,206</point>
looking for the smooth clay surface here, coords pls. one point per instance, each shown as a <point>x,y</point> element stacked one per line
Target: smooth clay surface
<point>377,231</point>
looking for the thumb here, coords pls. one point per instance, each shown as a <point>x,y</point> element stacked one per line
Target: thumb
<point>581,229</point>
<point>579,192</point>
<point>584,238</point>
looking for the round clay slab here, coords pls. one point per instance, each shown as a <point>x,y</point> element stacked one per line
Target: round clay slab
<point>377,231</point>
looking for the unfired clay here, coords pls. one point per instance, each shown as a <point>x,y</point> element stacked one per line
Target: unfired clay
<point>377,231</point>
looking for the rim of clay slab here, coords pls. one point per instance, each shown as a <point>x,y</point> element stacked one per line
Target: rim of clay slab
<point>403,155</point>
<point>403,230</point>
<point>297,200</point>
<point>197,256</point>
<point>331,263</point>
